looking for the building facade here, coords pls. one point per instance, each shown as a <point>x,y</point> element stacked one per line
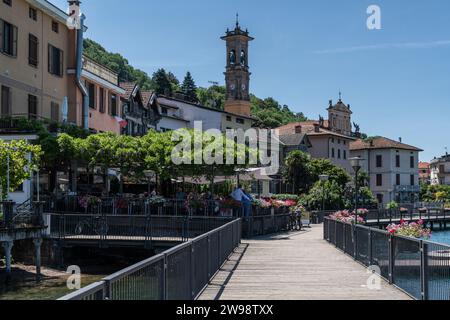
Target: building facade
<point>140,111</point>
<point>37,50</point>
<point>440,170</point>
<point>425,172</point>
<point>325,144</point>
<point>104,92</point>
<point>392,166</point>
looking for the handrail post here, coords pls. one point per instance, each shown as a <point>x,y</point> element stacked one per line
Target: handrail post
<point>423,270</point>
<point>191,271</point>
<point>208,255</point>
<point>355,241</point>
<point>164,282</point>
<point>391,258</point>
<point>370,247</point>
<point>107,291</point>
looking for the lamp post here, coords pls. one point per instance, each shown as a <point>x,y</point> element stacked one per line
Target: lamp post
<point>149,174</point>
<point>323,179</point>
<point>356,165</point>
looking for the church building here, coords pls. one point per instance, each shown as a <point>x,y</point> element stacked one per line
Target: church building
<point>330,138</point>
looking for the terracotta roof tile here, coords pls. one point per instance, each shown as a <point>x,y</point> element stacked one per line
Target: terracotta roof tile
<point>146,96</point>
<point>128,87</point>
<point>381,143</point>
<point>424,165</point>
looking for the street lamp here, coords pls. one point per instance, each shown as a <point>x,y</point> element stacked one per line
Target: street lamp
<point>323,179</point>
<point>356,165</point>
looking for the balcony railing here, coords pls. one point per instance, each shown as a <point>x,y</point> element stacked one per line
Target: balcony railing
<point>406,188</point>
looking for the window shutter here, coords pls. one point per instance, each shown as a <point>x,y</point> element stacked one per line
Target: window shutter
<point>61,63</point>
<point>50,59</point>
<point>9,102</point>
<point>14,43</point>
<point>1,35</point>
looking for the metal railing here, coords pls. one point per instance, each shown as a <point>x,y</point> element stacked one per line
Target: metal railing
<point>180,273</point>
<point>141,228</point>
<point>11,219</point>
<point>420,268</point>
<point>142,206</point>
<point>263,225</point>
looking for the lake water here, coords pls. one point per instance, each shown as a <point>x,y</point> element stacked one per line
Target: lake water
<point>441,237</point>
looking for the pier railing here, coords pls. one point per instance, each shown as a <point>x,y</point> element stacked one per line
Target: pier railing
<point>145,206</point>
<point>420,268</point>
<point>180,273</point>
<point>138,228</point>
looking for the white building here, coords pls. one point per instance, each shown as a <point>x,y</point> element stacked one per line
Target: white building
<point>440,170</point>
<point>393,168</point>
<point>177,113</point>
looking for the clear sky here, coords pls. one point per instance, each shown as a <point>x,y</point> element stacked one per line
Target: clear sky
<point>397,79</point>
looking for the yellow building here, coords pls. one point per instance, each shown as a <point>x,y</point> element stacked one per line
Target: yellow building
<point>38,60</point>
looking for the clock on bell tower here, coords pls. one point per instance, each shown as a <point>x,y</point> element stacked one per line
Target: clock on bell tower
<point>237,74</point>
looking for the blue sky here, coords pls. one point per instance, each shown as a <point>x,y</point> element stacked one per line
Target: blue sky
<point>396,79</point>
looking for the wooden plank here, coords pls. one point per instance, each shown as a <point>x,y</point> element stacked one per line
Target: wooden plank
<point>296,266</point>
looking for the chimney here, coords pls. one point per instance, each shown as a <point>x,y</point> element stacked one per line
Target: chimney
<point>371,143</point>
<point>298,129</point>
<point>316,127</point>
<point>400,139</point>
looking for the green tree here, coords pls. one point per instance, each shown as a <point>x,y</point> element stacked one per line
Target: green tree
<point>23,159</point>
<point>335,173</point>
<point>162,84</point>
<point>189,88</point>
<point>117,63</point>
<point>213,97</point>
<point>298,171</point>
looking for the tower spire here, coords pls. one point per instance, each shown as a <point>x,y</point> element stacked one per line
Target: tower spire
<point>237,20</point>
<point>340,96</point>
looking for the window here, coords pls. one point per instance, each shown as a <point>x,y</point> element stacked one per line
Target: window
<point>8,38</point>
<point>397,161</point>
<point>32,107</point>
<point>101,106</point>
<point>113,105</point>
<point>6,101</point>
<point>412,162</point>
<point>228,118</point>
<point>55,26</point>
<point>54,111</point>
<point>91,92</point>
<point>379,180</point>
<point>240,121</point>
<point>8,2</point>
<point>32,13</point>
<point>379,161</point>
<point>339,153</point>
<point>164,110</point>
<point>33,49</point>
<point>413,180</point>
<point>55,61</point>
<point>332,152</point>
<point>345,154</point>
<point>380,198</point>
<point>397,180</point>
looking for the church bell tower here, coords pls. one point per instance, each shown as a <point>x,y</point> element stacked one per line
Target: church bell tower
<point>237,74</point>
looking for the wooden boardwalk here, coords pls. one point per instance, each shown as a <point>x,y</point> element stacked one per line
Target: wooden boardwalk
<point>295,266</point>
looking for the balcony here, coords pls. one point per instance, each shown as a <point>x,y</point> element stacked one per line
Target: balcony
<point>409,189</point>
